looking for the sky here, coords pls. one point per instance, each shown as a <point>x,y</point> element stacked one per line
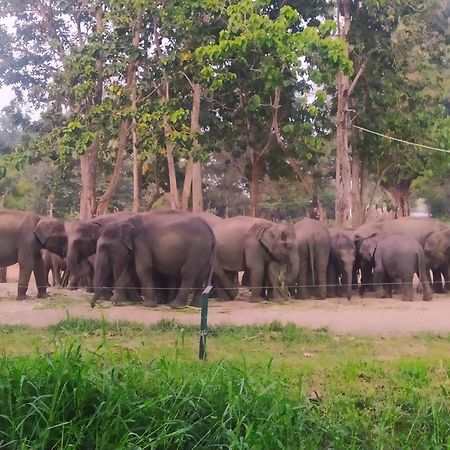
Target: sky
<point>6,95</point>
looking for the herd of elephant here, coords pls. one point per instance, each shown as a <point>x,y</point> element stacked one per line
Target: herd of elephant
<point>165,256</point>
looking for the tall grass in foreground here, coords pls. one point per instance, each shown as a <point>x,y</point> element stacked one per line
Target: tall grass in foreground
<point>100,400</point>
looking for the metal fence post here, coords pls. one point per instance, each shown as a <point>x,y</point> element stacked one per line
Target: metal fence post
<point>204,323</point>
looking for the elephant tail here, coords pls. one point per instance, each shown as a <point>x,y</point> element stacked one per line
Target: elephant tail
<point>212,259</point>
<point>311,260</point>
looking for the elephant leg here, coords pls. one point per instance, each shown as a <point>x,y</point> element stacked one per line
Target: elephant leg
<point>57,277</point>
<point>320,271</point>
<point>144,272</point>
<point>148,288</point>
<point>199,285</point>
<point>366,280</point>
<point>256,281</point>
<point>378,276</point>
<point>24,278</point>
<point>39,275</point>
<point>302,291</point>
<point>274,272</point>
<point>447,277</point>
<point>427,293</point>
<point>331,280</point>
<point>408,291</point>
<point>227,290</point>
<point>437,281</point>
<point>121,278</point>
<point>188,279</point>
<point>389,286</point>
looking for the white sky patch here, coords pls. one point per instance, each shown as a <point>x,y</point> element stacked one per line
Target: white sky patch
<point>6,95</point>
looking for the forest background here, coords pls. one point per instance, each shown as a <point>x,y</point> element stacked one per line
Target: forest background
<point>236,106</point>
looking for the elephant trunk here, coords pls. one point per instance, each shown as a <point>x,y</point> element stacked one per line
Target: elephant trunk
<point>72,262</point>
<point>348,268</point>
<point>101,271</point>
<point>293,267</point>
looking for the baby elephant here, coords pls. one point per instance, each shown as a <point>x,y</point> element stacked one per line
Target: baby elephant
<point>341,263</point>
<point>396,256</point>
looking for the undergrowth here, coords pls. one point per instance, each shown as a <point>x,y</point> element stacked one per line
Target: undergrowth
<point>91,389</point>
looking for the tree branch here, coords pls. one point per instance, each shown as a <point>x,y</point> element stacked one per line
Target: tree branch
<point>357,77</point>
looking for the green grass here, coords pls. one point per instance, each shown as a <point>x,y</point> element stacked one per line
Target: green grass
<point>87,384</point>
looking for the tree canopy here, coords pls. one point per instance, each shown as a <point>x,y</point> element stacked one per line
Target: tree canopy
<point>231,106</point>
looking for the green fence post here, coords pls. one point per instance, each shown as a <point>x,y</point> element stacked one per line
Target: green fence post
<point>204,323</point>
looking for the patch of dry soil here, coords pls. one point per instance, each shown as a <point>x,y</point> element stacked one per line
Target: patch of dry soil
<point>368,316</point>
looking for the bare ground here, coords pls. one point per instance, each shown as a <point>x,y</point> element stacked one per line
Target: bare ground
<point>368,316</point>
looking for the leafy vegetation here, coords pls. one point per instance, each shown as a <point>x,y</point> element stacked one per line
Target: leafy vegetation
<point>169,96</point>
<point>92,384</point>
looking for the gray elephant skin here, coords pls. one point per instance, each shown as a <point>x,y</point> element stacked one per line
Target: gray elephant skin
<point>179,246</point>
<point>341,263</point>
<point>418,228</point>
<point>396,257</point>
<point>82,242</point>
<point>56,264</point>
<point>259,247</point>
<point>22,237</point>
<point>437,253</point>
<point>313,244</point>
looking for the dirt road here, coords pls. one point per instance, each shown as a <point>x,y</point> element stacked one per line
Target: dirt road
<point>368,316</point>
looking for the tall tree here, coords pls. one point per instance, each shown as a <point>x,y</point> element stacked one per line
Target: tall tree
<point>265,53</point>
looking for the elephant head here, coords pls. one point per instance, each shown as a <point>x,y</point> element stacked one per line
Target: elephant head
<point>437,249</point>
<point>82,242</point>
<point>280,242</point>
<point>367,248</point>
<point>51,234</point>
<point>114,247</point>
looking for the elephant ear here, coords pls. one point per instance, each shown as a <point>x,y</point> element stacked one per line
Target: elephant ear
<point>46,228</point>
<point>266,237</point>
<point>371,246</point>
<point>128,232</point>
<point>95,230</point>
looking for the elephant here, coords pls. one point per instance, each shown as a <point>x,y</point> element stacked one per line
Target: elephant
<point>416,227</point>
<point>211,219</point>
<point>396,257</point>
<point>341,263</point>
<point>22,237</point>
<point>179,246</point>
<point>56,264</point>
<point>314,245</point>
<point>82,242</point>
<point>437,253</point>
<point>258,246</point>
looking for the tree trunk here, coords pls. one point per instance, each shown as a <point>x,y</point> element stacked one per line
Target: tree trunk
<point>89,160</point>
<point>254,191</point>
<point>357,208</point>
<point>88,172</point>
<point>174,199</point>
<point>187,186</point>
<point>197,190</point>
<point>130,85</point>
<point>137,164</point>
<point>105,199</point>
<point>137,172</point>
<point>364,194</point>
<point>399,196</point>
<point>343,172</point>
